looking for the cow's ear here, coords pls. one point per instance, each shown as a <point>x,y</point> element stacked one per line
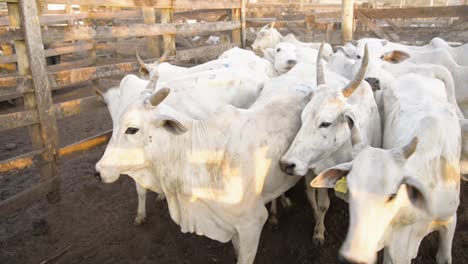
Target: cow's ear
<point>417,194</point>
<point>348,50</point>
<point>173,125</point>
<point>99,94</point>
<point>328,177</point>
<point>396,56</point>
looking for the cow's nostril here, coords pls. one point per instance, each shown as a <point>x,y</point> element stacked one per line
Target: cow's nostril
<point>288,167</point>
<point>97,175</point>
<point>291,62</point>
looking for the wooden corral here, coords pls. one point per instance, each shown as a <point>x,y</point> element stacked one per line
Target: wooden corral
<point>99,39</point>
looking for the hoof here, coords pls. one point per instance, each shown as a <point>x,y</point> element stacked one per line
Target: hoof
<point>161,197</point>
<point>286,203</point>
<point>318,240</point>
<point>139,221</point>
<point>273,223</point>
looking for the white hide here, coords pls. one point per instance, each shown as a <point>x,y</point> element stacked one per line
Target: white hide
<point>411,187</point>
<point>284,56</point>
<point>217,173</point>
<point>269,37</point>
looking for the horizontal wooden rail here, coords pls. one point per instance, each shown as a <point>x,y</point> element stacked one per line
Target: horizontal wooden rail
<point>78,106</point>
<point>83,146</point>
<point>21,162</point>
<point>53,52</point>
<point>71,64</point>
<point>61,34</point>
<point>51,18</point>
<point>416,12</point>
<point>18,119</point>
<point>175,4</point>
<point>202,52</point>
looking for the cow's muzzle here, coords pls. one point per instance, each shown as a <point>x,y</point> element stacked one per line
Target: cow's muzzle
<point>374,83</point>
<point>287,167</point>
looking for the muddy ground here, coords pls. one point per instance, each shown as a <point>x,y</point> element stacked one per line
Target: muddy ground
<point>93,222</point>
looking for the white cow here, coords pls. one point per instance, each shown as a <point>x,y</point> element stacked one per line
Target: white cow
<point>284,56</point>
<point>231,58</point>
<point>330,118</point>
<point>197,96</point>
<point>217,173</point>
<point>381,50</point>
<point>410,188</point>
<point>269,37</point>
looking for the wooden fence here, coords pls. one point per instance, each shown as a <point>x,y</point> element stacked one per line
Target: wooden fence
<point>324,22</point>
<point>29,25</point>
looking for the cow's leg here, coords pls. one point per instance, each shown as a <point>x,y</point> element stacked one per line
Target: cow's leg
<point>446,233</point>
<point>285,201</point>
<point>141,211</point>
<point>161,197</point>
<point>235,244</point>
<point>273,219</point>
<point>323,203</point>
<point>249,236</point>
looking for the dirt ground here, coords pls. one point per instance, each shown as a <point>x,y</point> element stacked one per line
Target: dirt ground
<point>94,221</point>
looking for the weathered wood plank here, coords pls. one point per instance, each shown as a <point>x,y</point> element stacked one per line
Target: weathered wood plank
<point>207,4</point>
<point>84,146</point>
<point>18,119</point>
<point>61,34</point>
<point>169,44</point>
<point>347,19</point>
<point>126,14</point>
<point>91,73</point>
<point>53,52</point>
<point>416,12</point>
<point>21,162</point>
<point>373,27</point>
<point>43,95</point>
<point>206,51</point>
<point>149,17</point>
<point>117,3</point>
<point>78,106</point>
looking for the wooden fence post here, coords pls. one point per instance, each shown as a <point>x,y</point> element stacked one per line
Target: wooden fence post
<point>236,34</point>
<point>347,19</point>
<point>167,16</point>
<point>244,32</point>
<point>31,60</point>
<point>149,17</point>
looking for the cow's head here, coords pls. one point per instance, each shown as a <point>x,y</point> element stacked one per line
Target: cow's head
<point>284,56</point>
<point>267,37</point>
<point>380,52</point>
<point>379,189</point>
<point>149,70</point>
<point>136,129</point>
<point>328,122</point>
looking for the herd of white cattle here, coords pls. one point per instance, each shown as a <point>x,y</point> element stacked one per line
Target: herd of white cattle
<point>376,121</point>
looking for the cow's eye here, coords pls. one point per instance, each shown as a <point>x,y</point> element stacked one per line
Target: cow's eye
<point>358,57</point>
<point>391,197</point>
<point>278,49</point>
<point>325,124</point>
<point>382,57</point>
<point>131,131</point>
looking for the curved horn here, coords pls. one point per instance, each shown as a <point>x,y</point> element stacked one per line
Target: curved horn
<point>273,24</point>
<point>354,84</point>
<point>320,73</point>
<point>163,58</point>
<point>144,70</point>
<point>152,83</point>
<point>158,96</point>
